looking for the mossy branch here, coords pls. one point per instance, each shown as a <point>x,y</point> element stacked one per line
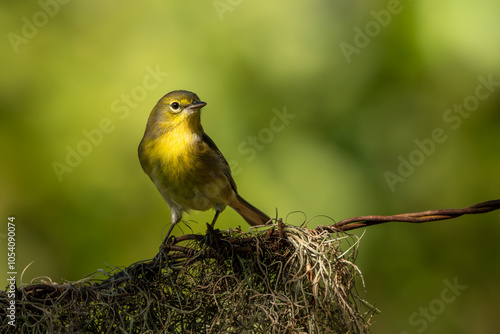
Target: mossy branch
<point>274,278</point>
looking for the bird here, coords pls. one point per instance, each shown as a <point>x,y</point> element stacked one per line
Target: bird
<point>186,166</point>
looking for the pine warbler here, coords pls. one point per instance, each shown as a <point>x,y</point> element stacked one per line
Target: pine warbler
<point>185,164</point>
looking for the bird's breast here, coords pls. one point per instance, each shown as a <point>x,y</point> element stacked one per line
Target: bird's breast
<point>175,152</point>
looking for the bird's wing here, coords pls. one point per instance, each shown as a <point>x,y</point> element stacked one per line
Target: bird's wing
<point>227,170</point>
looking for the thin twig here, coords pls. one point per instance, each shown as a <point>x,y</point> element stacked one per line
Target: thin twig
<point>415,217</point>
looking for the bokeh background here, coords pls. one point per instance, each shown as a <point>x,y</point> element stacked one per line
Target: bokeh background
<point>360,82</point>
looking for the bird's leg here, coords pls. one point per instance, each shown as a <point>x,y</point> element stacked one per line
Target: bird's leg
<point>168,234</point>
<point>175,220</point>
<point>163,246</point>
<point>217,212</point>
<point>213,236</point>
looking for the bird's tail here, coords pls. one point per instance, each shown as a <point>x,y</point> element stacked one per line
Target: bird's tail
<point>250,213</point>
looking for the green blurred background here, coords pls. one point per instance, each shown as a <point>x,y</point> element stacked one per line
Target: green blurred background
<point>351,116</point>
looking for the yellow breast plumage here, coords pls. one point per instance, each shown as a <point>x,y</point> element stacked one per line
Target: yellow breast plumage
<point>175,151</point>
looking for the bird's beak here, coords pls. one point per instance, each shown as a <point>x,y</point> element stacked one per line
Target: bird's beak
<point>197,105</point>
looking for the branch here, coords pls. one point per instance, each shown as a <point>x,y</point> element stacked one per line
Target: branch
<point>415,217</point>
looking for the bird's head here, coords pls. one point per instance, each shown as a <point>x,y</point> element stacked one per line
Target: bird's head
<point>179,107</point>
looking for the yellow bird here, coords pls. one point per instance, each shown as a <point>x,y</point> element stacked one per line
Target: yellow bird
<point>185,164</point>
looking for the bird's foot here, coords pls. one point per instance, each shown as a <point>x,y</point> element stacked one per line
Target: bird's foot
<point>213,237</point>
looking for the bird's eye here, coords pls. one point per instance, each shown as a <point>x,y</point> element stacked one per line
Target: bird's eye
<point>175,105</point>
